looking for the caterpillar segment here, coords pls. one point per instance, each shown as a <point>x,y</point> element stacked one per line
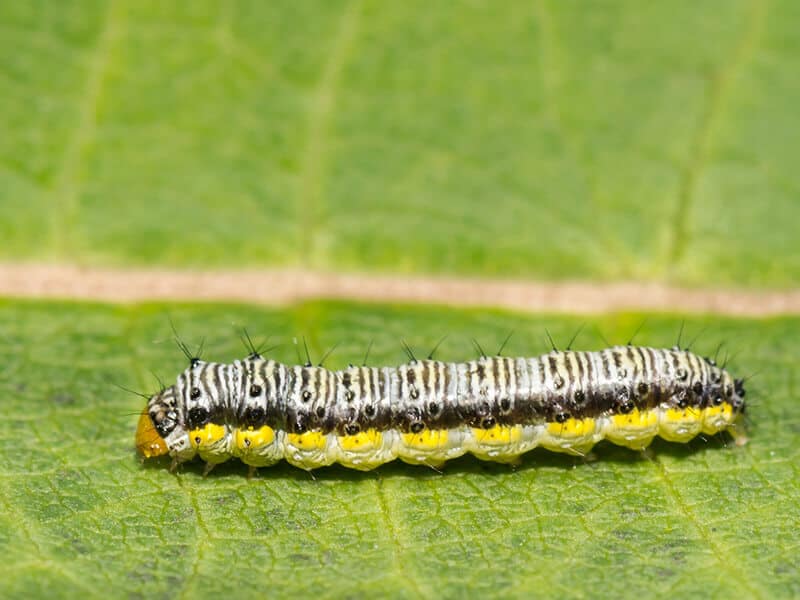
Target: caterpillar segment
<point>428,412</point>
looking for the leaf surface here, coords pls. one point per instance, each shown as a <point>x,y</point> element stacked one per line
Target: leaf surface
<point>81,515</point>
<point>608,140</point>
<point>541,140</point>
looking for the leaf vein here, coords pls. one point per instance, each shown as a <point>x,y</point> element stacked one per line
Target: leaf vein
<point>312,173</point>
<point>68,180</point>
<point>725,562</point>
<point>717,93</point>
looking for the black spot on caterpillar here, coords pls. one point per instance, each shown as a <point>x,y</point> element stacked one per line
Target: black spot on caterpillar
<point>429,411</point>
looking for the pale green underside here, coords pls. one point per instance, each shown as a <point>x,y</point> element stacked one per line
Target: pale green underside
<point>607,140</point>
<point>81,515</point>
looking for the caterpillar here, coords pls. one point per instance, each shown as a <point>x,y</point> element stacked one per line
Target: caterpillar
<point>428,411</point>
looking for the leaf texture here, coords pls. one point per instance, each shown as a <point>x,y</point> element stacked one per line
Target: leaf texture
<point>605,140</point>
<point>82,516</point>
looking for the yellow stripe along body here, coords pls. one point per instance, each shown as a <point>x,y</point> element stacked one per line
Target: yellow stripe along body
<point>428,412</point>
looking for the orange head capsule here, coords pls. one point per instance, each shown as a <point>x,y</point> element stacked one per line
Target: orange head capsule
<point>148,441</point>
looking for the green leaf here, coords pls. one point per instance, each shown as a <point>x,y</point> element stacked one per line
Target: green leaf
<point>609,140</point>
<point>82,516</point>
<point>603,140</point>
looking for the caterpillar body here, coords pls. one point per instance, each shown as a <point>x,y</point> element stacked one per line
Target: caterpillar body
<point>428,411</point>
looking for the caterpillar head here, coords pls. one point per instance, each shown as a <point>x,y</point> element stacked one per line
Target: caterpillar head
<point>158,424</point>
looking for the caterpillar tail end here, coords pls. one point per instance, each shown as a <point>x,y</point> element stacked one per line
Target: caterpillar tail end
<point>739,433</point>
<point>148,441</point>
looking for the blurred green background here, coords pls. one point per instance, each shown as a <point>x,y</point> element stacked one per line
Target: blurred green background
<point>545,139</point>
<point>590,140</point>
